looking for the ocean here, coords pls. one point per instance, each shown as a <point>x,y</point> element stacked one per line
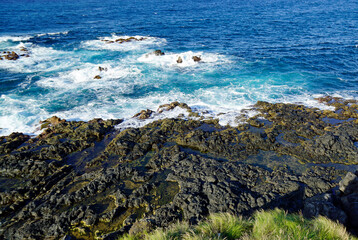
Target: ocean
<point>253,50</point>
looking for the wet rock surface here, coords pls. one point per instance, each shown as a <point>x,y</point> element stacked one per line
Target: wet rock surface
<point>124,40</point>
<point>89,180</point>
<point>9,56</point>
<point>13,56</point>
<point>196,58</point>
<point>158,53</point>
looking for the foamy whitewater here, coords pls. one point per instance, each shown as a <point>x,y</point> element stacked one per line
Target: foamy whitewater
<point>276,51</point>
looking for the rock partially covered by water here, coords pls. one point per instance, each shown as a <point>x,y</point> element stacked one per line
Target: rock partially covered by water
<point>13,56</point>
<point>144,114</point>
<point>124,40</point>
<point>171,106</point>
<point>52,121</point>
<point>158,53</point>
<point>196,58</point>
<point>10,56</point>
<point>102,69</point>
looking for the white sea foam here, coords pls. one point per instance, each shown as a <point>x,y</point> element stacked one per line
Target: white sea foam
<point>15,38</point>
<point>109,98</point>
<point>228,113</point>
<point>19,115</point>
<point>121,90</point>
<point>102,43</point>
<point>133,122</point>
<point>170,59</point>
<point>24,38</point>
<point>52,34</point>
<point>84,78</point>
<point>24,114</point>
<point>40,59</point>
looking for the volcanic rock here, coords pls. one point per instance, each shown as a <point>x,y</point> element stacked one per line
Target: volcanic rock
<point>144,114</point>
<point>196,58</point>
<point>158,53</point>
<point>89,180</point>
<point>11,56</point>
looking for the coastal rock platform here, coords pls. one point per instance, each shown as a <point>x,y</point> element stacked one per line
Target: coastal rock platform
<point>90,180</point>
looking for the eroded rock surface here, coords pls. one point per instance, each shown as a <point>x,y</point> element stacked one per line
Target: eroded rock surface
<point>89,180</point>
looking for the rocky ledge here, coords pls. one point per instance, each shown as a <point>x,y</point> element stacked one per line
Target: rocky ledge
<point>89,180</point>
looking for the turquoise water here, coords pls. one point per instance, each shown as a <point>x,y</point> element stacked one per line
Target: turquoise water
<point>277,51</point>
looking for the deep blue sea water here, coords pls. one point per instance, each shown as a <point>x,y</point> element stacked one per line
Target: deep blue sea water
<point>271,50</point>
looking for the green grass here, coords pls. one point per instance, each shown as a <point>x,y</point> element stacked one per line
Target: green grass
<point>275,224</point>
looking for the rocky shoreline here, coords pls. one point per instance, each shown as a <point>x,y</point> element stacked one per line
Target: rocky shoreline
<point>91,180</point>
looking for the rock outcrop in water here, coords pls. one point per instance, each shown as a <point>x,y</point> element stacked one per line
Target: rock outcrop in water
<point>158,53</point>
<point>9,56</point>
<point>13,56</point>
<point>196,58</point>
<point>90,180</point>
<point>124,40</point>
<point>179,60</point>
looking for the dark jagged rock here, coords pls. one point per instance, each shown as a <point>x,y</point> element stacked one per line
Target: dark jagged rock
<point>144,114</point>
<point>123,40</point>
<point>323,205</point>
<point>349,184</point>
<point>349,198</point>
<point>51,122</point>
<point>10,56</point>
<point>158,53</point>
<point>179,60</point>
<point>13,56</point>
<point>173,105</point>
<point>89,180</point>
<point>97,77</point>
<point>11,142</point>
<point>196,58</point>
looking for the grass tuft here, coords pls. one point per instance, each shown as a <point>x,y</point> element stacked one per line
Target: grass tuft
<point>274,224</point>
<point>277,224</point>
<point>327,229</point>
<point>223,226</point>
